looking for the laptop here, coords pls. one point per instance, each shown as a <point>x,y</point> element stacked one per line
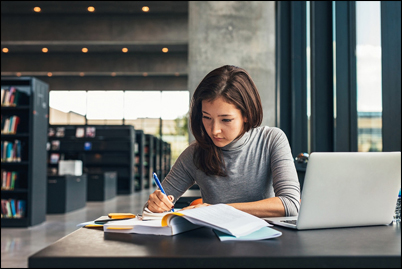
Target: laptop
<point>347,189</point>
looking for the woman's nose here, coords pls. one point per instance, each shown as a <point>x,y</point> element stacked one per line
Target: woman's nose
<point>215,128</point>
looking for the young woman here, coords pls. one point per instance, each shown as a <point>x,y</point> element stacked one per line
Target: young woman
<point>233,160</point>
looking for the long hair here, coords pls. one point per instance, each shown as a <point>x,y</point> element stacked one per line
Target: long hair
<point>236,87</point>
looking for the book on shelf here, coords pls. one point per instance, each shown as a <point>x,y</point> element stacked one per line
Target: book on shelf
<point>79,132</point>
<point>87,145</point>
<point>51,132</point>
<point>13,208</point>
<point>52,171</point>
<point>11,151</point>
<point>8,179</point>
<point>54,158</point>
<point>9,124</point>
<point>9,97</point>
<point>60,131</point>
<point>231,223</point>
<point>55,145</point>
<point>90,132</point>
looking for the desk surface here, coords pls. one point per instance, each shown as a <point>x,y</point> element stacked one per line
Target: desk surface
<point>374,246</point>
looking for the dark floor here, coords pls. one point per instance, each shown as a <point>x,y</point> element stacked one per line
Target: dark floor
<point>17,244</point>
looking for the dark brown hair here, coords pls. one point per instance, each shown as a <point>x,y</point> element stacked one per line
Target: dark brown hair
<point>236,87</point>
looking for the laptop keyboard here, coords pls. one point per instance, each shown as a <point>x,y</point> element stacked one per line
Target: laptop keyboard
<point>289,221</point>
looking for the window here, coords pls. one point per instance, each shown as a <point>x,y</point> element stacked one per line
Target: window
<point>368,65</point>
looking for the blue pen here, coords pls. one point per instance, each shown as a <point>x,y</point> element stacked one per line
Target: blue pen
<point>160,185</point>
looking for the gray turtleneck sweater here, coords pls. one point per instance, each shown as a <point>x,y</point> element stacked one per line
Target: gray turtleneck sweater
<point>259,166</point>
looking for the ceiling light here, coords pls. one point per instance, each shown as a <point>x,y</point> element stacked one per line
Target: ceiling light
<point>145,8</point>
<point>37,9</point>
<point>145,74</point>
<point>176,74</point>
<point>82,74</point>
<point>165,50</point>
<point>124,50</point>
<point>49,74</point>
<point>91,9</point>
<point>5,50</point>
<point>18,74</point>
<point>113,74</point>
<point>44,50</point>
<point>84,50</point>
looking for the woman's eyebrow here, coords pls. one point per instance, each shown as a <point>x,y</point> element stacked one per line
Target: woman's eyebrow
<point>223,115</point>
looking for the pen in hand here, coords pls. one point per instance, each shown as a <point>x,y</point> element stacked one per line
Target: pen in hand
<point>159,185</point>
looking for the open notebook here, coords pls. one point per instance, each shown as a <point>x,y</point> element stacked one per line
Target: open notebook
<point>230,223</point>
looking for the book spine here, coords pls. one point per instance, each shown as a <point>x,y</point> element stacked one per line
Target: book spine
<point>21,208</point>
<point>14,176</point>
<point>12,205</point>
<point>9,213</point>
<point>18,150</point>
<point>2,95</point>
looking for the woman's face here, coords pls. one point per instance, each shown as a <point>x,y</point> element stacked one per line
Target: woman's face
<point>222,121</point>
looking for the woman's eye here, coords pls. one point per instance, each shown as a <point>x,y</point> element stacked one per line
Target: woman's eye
<point>226,120</point>
<point>205,117</point>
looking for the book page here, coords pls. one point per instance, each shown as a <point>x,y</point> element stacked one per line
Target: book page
<point>225,218</point>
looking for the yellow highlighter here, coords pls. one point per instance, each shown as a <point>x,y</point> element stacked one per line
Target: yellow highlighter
<point>94,226</point>
<point>121,215</point>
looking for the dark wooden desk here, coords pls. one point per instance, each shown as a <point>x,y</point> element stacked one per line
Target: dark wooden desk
<point>375,246</point>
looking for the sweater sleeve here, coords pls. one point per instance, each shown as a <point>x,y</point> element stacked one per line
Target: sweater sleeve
<point>181,177</point>
<point>285,180</point>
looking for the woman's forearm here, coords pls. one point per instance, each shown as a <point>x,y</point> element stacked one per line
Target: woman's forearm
<point>271,207</point>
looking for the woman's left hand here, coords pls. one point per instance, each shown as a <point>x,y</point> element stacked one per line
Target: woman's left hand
<point>194,206</point>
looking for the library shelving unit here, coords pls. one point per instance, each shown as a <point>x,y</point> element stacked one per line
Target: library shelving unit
<point>139,160</point>
<point>156,158</point>
<point>166,153</point>
<point>24,121</point>
<point>149,160</point>
<point>102,148</point>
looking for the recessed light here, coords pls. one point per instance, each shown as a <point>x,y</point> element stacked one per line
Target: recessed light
<point>37,9</point>
<point>113,74</point>
<point>82,74</point>
<point>44,50</point>
<point>145,74</point>
<point>145,8</point>
<point>5,50</point>
<point>91,9</point>
<point>18,74</point>
<point>84,50</point>
<point>49,74</point>
<point>165,50</point>
<point>124,50</point>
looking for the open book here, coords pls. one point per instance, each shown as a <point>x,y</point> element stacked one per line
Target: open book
<point>220,217</point>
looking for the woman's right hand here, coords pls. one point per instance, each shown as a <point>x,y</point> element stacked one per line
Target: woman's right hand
<point>159,202</point>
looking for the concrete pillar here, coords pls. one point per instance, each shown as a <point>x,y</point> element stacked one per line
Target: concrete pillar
<point>240,33</point>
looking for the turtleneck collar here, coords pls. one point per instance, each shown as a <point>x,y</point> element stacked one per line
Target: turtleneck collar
<point>237,143</point>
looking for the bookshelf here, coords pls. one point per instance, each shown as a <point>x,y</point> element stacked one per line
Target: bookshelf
<point>149,160</point>
<point>139,160</point>
<point>165,158</point>
<point>157,158</point>
<point>24,103</point>
<point>102,148</point>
